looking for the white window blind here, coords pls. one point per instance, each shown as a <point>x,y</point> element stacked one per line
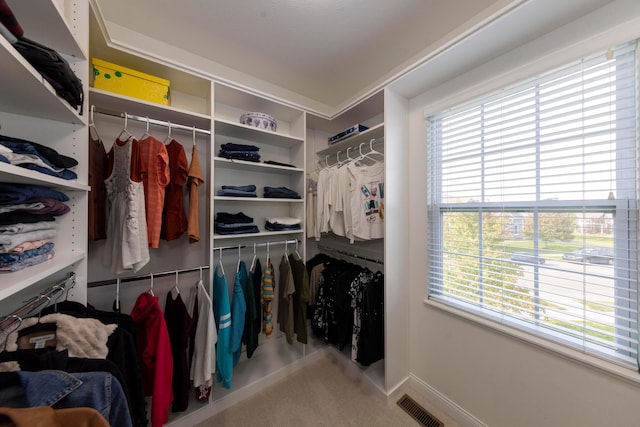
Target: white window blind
<point>533,206</point>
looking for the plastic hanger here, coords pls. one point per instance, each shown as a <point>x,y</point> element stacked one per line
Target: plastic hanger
<point>117,302</point>
<point>239,258</point>
<point>268,255</point>
<point>151,286</point>
<point>194,136</point>
<point>169,137</point>
<point>146,132</point>
<point>373,150</point>
<point>175,291</point>
<point>296,252</point>
<point>286,251</point>
<point>255,257</point>
<point>220,263</point>
<point>93,130</point>
<point>125,131</point>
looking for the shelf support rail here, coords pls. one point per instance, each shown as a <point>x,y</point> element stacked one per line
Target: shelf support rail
<point>36,302</point>
<point>147,120</point>
<point>349,254</point>
<point>100,283</point>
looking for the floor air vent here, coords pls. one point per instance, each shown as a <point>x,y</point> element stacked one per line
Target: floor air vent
<point>418,413</point>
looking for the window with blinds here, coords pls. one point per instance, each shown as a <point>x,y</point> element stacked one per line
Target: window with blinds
<point>533,206</point>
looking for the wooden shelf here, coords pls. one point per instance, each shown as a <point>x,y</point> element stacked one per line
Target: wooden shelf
<point>17,175</point>
<point>19,280</point>
<point>47,26</point>
<point>253,235</point>
<point>244,132</point>
<point>25,92</point>
<point>244,165</point>
<point>114,103</point>
<point>374,132</point>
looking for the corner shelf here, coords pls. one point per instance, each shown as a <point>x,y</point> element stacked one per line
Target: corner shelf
<point>17,175</point>
<point>374,132</point>
<point>240,131</point>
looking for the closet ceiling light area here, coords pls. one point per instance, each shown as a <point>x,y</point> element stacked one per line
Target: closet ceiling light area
<point>327,51</point>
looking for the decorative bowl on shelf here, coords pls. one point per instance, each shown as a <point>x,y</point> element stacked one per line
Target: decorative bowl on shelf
<point>259,120</point>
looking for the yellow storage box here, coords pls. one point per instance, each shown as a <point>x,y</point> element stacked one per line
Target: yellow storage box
<point>125,81</point>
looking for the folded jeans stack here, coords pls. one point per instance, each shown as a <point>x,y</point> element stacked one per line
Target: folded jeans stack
<point>240,152</point>
<point>37,157</point>
<point>282,224</point>
<point>238,191</point>
<point>239,223</point>
<point>280,193</point>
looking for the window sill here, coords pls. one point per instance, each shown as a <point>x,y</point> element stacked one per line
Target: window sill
<point>612,369</point>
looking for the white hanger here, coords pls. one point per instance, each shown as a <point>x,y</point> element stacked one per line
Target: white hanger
<point>175,287</point>
<point>146,132</point>
<point>268,256</point>
<point>169,137</point>
<point>125,132</point>
<point>255,257</point>
<point>118,294</point>
<point>239,258</point>
<point>220,263</point>
<point>194,136</point>
<point>286,251</point>
<point>298,253</point>
<point>92,126</point>
<point>151,286</point>
<point>373,151</point>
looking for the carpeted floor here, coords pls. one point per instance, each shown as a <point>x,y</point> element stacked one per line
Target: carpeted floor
<point>328,392</point>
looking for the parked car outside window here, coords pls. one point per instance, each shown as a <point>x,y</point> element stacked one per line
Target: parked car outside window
<point>526,258</point>
<point>590,255</point>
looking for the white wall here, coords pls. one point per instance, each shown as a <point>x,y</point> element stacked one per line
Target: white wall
<point>485,375</point>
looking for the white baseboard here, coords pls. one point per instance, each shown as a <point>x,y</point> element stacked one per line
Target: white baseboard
<point>448,406</point>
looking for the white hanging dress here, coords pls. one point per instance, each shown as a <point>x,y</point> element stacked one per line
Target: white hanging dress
<point>127,248</point>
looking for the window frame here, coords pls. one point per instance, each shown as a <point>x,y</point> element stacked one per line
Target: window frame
<point>437,209</point>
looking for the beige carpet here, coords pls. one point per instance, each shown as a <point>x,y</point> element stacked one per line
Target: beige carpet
<point>328,392</point>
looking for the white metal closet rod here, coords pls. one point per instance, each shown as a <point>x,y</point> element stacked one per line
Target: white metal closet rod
<point>350,254</point>
<point>37,301</point>
<point>153,121</point>
<point>183,270</point>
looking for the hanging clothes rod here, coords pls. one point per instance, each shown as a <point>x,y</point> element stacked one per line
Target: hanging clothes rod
<point>350,254</point>
<point>153,121</point>
<point>146,276</point>
<point>107,282</point>
<point>258,245</point>
<point>34,303</point>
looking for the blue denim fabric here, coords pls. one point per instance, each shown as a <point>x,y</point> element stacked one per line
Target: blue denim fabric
<point>27,262</point>
<point>9,258</point>
<point>236,193</point>
<point>249,187</point>
<point>235,226</point>
<point>25,148</point>
<point>4,159</point>
<point>64,174</point>
<point>59,389</point>
<point>280,192</point>
<point>18,193</point>
<point>52,156</point>
<point>253,229</point>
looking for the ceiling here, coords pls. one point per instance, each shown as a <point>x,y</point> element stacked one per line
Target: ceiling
<point>325,50</point>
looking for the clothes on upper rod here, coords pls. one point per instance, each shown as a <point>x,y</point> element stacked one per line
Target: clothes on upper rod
<point>174,218</point>
<point>349,201</point>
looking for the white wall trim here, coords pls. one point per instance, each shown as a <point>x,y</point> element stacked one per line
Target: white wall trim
<point>448,406</point>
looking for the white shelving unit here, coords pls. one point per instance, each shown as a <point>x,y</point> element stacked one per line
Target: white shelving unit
<point>31,110</point>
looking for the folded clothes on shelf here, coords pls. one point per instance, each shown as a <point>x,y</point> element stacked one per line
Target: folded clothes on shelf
<point>244,230</point>
<point>238,191</point>
<point>238,147</point>
<point>280,193</point>
<point>229,218</point>
<point>283,220</point>
<point>280,227</point>
<point>250,156</point>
